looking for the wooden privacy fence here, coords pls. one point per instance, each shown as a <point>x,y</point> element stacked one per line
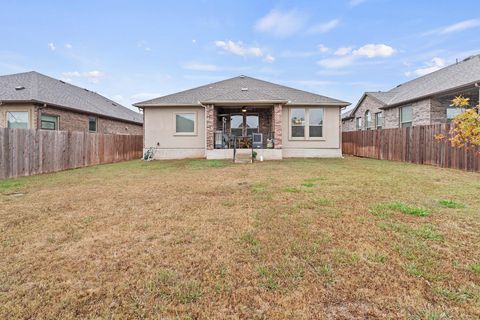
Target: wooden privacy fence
<point>25,152</point>
<point>415,144</point>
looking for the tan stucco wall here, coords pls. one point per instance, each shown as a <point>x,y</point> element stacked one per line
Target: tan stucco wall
<point>331,131</point>
<point>160,129</point>
<point>30,108</point>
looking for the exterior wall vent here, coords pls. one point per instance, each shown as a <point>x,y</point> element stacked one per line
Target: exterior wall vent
<point>19,88</point>
<point>244,89</point>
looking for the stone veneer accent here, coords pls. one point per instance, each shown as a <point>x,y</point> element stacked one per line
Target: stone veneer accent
<point>210,125</point>
<point>277,126</point>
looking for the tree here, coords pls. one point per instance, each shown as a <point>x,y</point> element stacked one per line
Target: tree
<point>465,131</point>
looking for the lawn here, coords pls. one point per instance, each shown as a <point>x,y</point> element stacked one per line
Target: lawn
<point>293,239</point>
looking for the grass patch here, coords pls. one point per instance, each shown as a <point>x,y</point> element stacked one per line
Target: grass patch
<point>388,209</point>
<point>451,204</point>
<point>200,164</point>
<point>475,267</point>
<point>9,184</point>
<point>292,189</point>
<point>253,244</point>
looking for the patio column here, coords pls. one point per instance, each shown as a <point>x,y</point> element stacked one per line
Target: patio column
<point>277,126</point>
<point>210,125</point>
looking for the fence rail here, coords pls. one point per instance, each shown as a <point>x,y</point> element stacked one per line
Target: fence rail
<point>415,145</point>
<point>25,152</point>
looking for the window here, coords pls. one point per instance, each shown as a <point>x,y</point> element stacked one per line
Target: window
<point>315,123</point>
<point>299,117</point>
<point>185,123</point>
<point>453,111</point>
<point>358,123</point>
<point>406,116</point>
<point>368,120</point>
<point>378,120</point>
<point>251,122</point>
<point>17,119</point>
<point>236,125</point>
<point>92,124</point>
<point>49,122</point>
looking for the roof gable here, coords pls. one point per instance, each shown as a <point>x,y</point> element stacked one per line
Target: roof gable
<point>43,89</point>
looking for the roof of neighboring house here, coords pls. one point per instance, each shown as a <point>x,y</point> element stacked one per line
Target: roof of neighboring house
<point>241,89</point>
<point>458,75</point>
<point>36,87</point>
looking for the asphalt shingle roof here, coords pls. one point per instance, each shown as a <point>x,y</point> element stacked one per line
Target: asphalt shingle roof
<point>44,89</point>
<point>230,90</point>
<point>454,76</point>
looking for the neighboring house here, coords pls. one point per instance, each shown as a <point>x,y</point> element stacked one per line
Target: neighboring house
<point>242,112</point>
<point>33,100</point>
<point>422,101</point>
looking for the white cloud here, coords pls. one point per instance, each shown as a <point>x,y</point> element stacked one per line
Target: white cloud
<point>324,27</point>
<point>142,96</point>
<point>460,26</point>
<point>281,23</point>
<point>194,41</point>
<point>431,66</point>
<point>269,58</point>
<point>354,3</point>
<point>346,56</point>
<point>93,76</point>
<point>238,48</point>
<point>343,51</point>
<point>323,49</point>
<point>52,46</point>
<point>68,46</point>
<point>374,50</point>
<point>334,63</point>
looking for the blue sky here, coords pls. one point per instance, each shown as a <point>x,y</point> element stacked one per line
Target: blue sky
<point>136,50</point>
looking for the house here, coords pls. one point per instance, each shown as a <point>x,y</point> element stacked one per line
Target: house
<point>35,101</point>
<point>213,120</point>
<point>422,101</point>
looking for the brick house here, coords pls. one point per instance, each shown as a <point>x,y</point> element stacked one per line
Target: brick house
<point>422,101</point>
<point>34,101</point>
<point>235,116</point>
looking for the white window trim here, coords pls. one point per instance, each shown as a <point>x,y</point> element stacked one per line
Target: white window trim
<point>358,124</point>
<point>400,116</point>
<point>306,136</point>
<point>377,125</point>
<point>195,120</point>
<point>30,120</point>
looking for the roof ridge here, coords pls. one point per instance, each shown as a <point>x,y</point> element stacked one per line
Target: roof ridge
<point>188,90</point>
<point>291,88</point>
<point>470,58</point>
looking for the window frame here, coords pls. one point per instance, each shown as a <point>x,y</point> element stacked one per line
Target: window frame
<point>368,123</point>
<point>29,122</point>
<point>378,125</point>
<point>57,123</point>
<point>404,122</point>
<point>461,110</point>
<point>358,123</point>
<point>195,121</point>
<point>306,125</point>
<point>96,123</point>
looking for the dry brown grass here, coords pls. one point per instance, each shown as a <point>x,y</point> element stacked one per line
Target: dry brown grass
<point>296,239</point>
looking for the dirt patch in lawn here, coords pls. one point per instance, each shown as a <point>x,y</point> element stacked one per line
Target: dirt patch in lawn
<point>293,239</point>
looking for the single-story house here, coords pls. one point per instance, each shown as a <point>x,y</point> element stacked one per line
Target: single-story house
<point>32,100</point>
<point>422,101</point>
<point>213,120</point>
